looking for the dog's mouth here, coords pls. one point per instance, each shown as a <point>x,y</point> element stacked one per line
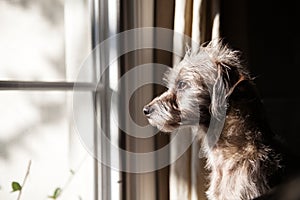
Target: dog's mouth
<point>168,123</point>
<point>167,128</point>
<point>162,121</point>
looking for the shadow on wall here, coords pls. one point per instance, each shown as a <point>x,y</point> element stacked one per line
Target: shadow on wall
<point>32,42</point>
<point>49,9</point>
<point>33,49</point>
<point>39,114</point>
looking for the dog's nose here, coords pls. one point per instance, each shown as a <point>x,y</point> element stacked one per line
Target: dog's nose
<point>148,110</point>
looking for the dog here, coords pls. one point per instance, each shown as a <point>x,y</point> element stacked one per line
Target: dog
<point>247,159</point>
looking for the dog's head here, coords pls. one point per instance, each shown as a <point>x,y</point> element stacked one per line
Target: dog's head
<point>198,88</point>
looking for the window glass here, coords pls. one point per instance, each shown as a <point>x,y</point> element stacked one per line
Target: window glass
<point>32,40</point>
<point>36,126</point>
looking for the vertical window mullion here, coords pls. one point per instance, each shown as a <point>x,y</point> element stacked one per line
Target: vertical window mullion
<point>94,10</point>
<point>100,31</point>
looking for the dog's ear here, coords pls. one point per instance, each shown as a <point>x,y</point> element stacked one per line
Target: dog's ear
<point>228,78</point>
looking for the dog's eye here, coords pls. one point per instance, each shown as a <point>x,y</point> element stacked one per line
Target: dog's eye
<point>181,85</point>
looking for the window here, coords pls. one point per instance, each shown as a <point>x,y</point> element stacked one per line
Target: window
<point>37,74</point>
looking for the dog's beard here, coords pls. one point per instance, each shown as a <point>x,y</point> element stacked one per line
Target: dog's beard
<point>170,126</point>
<point>164,127</point>
<point>169,121</point>
<point>164,120</point>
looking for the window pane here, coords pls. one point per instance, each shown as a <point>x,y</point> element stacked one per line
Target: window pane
<point>36,126</point>
<point>32,40</point>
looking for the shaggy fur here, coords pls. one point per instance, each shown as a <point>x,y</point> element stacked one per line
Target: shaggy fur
<point>245,162</point>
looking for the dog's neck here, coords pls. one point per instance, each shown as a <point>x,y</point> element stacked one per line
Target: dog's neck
<point>242,156</point>
<point>244,124</point>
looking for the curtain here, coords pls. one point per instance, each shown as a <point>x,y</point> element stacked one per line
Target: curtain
<point>184,179</point>
<point>200,20</point>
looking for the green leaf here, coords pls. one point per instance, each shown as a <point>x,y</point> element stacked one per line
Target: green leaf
<point>56,193</point>
<point>16,186</point>
<point>72,171</point>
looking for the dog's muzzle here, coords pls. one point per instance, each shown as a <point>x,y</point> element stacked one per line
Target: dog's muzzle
<point>148,110</point>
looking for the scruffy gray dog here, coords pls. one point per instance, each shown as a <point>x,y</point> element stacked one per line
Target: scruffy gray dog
<point>245,162</point>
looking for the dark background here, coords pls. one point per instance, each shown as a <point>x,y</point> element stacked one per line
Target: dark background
<point>266,32</point>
